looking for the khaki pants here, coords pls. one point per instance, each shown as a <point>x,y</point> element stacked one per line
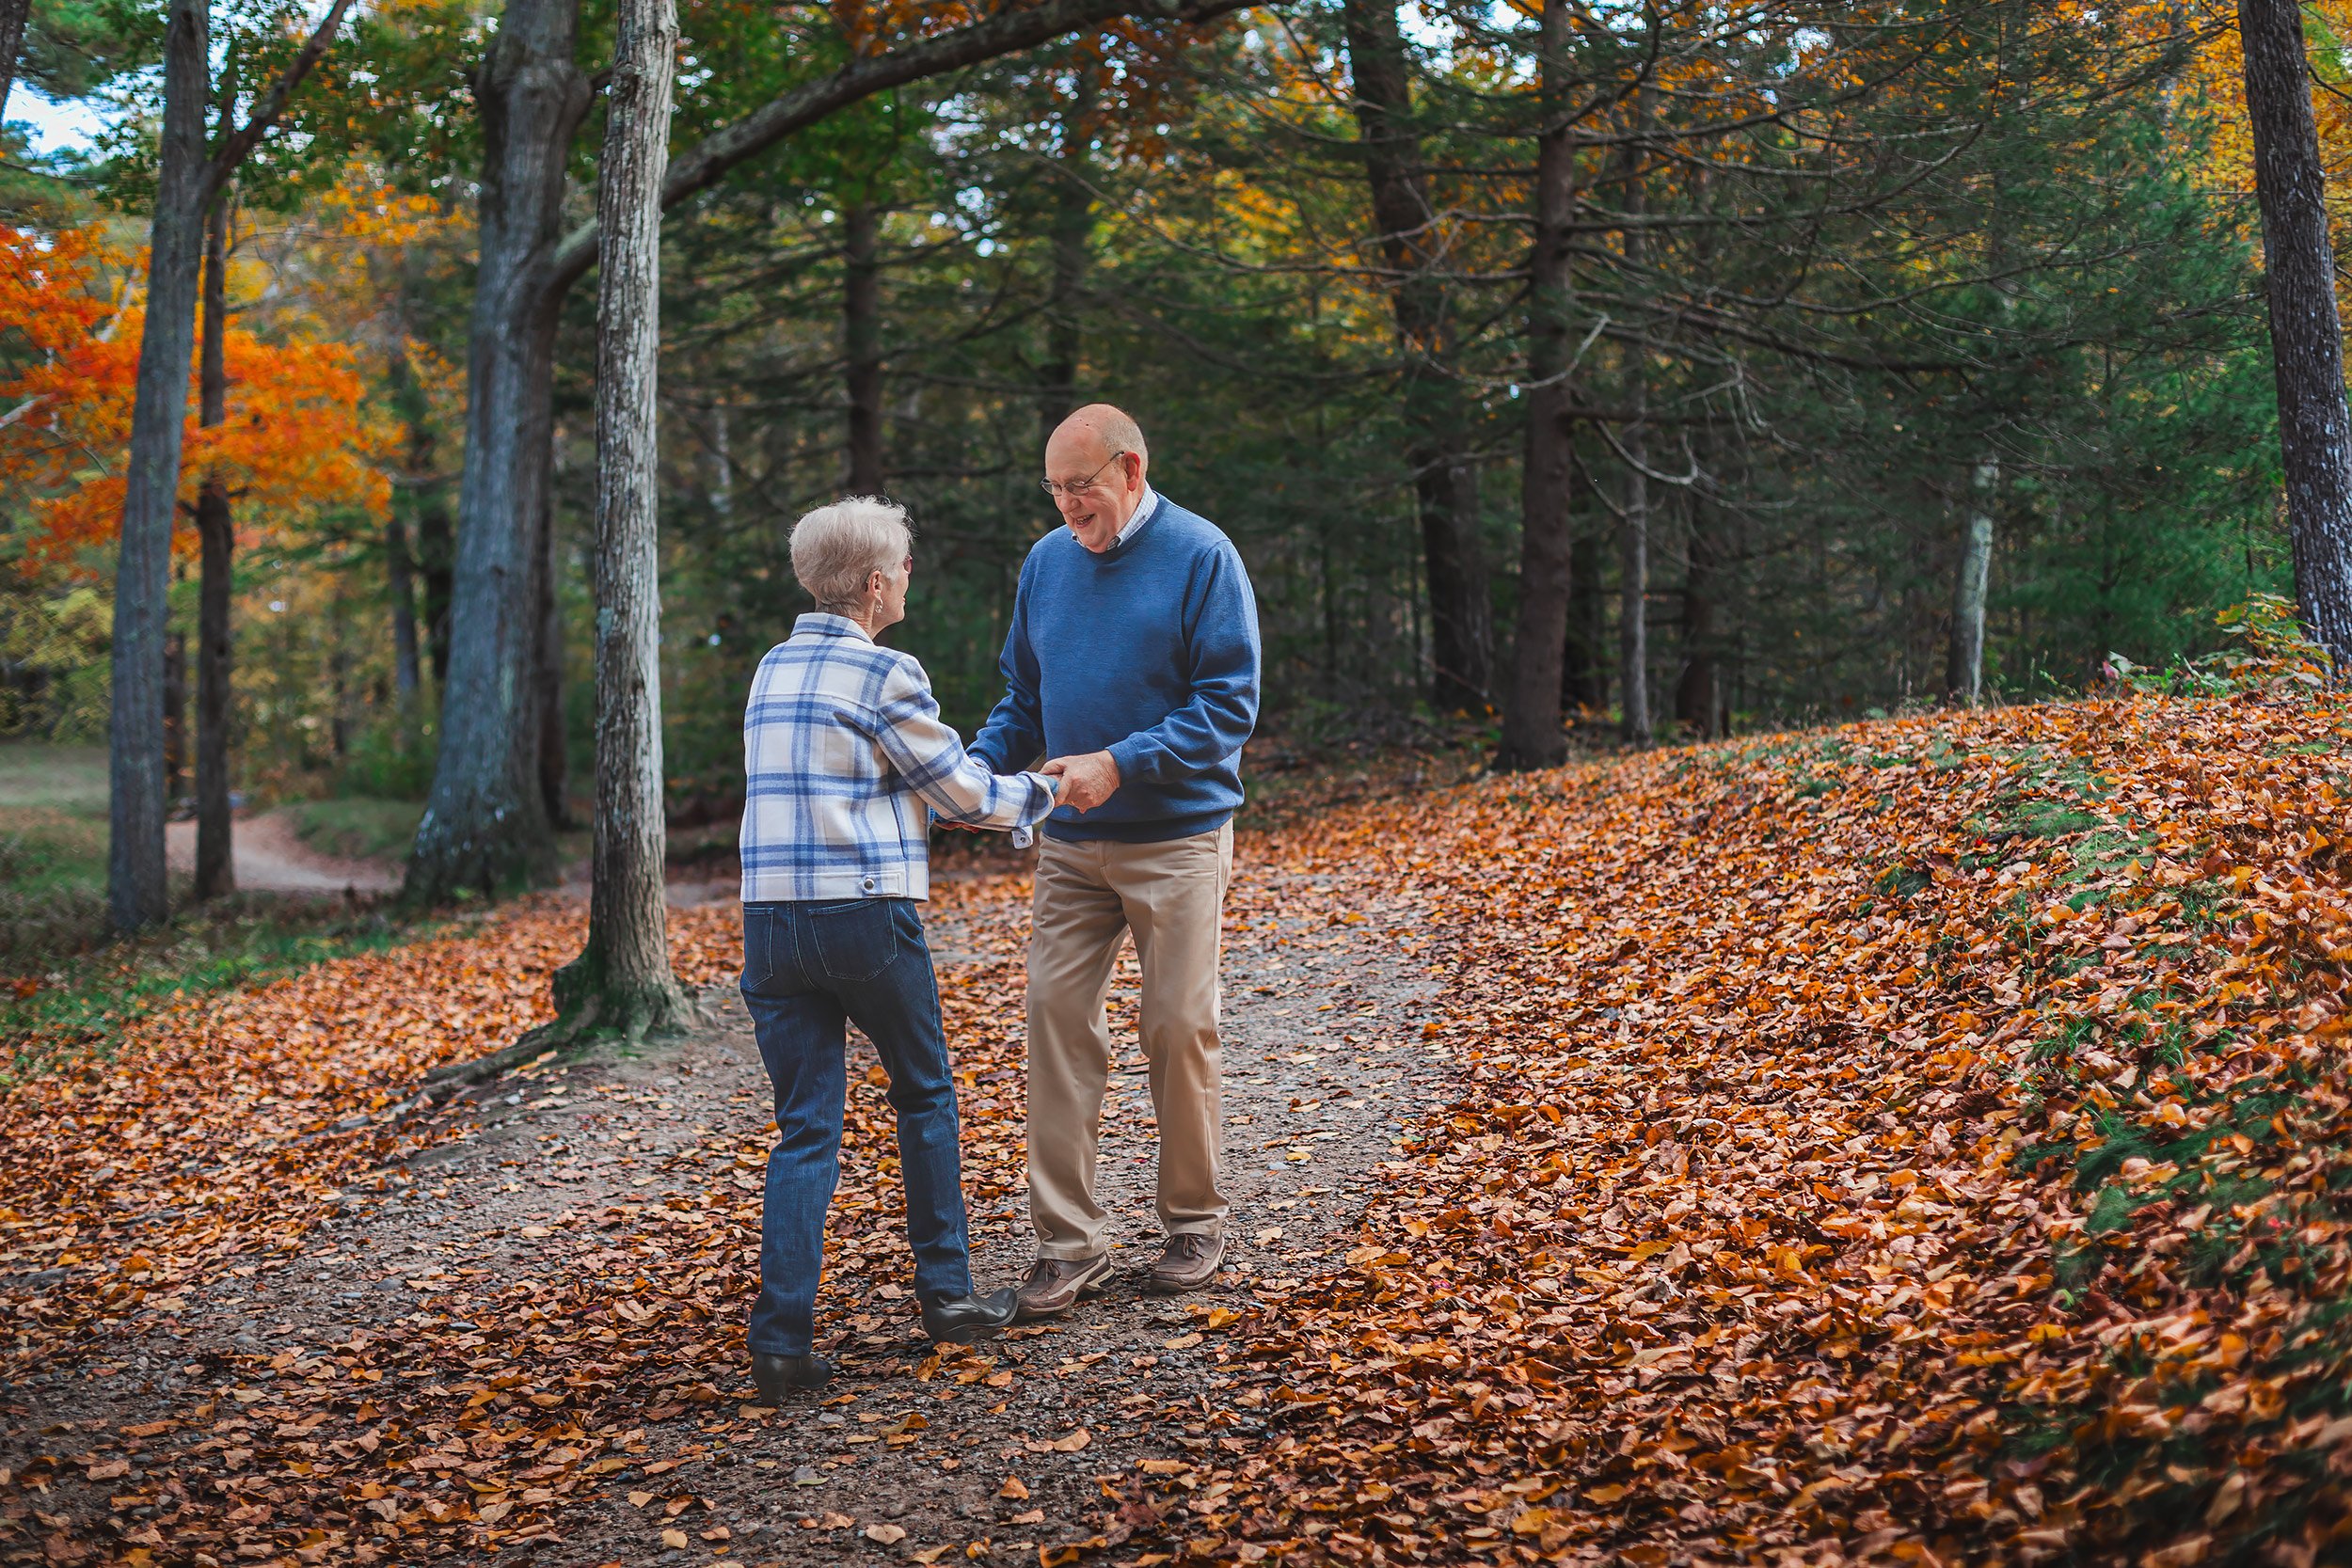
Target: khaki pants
<point>1171,895</point>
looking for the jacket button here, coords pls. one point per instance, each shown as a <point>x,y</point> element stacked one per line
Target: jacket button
<point>870,884</point>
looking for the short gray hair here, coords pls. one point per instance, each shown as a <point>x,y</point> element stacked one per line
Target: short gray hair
<point>837,547</point>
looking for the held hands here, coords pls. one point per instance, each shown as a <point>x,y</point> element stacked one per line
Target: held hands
<point>1085,782</point>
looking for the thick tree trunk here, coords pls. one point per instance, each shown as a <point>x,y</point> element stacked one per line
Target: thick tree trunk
<point>485,825</point>
<point>137,894</point>
<point>1964,672</point>
<point>2306,332</point>
<point>216,543</point>
<point>623,980</point>
<point>1070,234</point>
<point>1444,486</point>
<point>1531,734</point>
<point>860,332</point>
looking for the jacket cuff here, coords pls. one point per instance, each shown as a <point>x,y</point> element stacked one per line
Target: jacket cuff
<point>1130,754</point>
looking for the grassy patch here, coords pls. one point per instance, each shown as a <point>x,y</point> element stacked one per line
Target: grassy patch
<point>53,849</point>
<point>356,828</point>
<point>78,1011</point>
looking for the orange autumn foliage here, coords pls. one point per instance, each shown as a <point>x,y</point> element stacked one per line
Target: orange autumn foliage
<point>297,437</point>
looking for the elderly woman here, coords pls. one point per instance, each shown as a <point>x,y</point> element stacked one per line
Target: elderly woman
<point>845,759</point>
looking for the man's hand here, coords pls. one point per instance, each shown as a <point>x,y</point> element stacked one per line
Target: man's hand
<point>1088,780</point>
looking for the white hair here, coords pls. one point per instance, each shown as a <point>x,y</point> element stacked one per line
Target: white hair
<point>837,548</point>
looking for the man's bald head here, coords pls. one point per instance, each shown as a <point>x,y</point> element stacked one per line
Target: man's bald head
<point>1100,451</point>
<point>1109,424</point>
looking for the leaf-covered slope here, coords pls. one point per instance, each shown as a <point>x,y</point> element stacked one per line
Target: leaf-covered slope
<point>1925,1135</point>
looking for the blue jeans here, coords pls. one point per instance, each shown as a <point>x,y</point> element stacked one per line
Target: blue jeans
<point>808,967</point>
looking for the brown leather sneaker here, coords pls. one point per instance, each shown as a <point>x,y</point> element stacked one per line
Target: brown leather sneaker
<point>1186,1263</point>
<point>1055,1285</point>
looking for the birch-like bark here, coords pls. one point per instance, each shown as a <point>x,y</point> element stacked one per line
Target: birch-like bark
<point>623,981</point>
<point>486,824</point>
<point>1964,672</point>
<point>216,544</point>
<point>1532,733</point>
<point>2306,332</point>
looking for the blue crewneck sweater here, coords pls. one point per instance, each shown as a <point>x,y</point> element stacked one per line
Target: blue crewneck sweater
<point>1148,650</point>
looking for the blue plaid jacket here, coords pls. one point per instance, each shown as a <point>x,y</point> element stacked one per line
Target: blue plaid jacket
<point>843,752</point>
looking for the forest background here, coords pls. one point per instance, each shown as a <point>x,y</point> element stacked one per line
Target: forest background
<point>1900,352</point>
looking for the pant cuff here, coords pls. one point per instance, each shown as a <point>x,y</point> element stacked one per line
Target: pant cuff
<point>1068,1252</point>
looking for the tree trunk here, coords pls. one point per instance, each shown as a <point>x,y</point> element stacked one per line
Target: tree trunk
<point>339,668</point>
<point>1445,491</point>
<point>216,541</point>
<point>1698,702</point>
<point>2305,333</point>
<point>1070,234</point>
<point>400,563</point>
<point>721,465</point>
<point>435,567</point>
<point>12,14</point>
<point>547,679</point>
<point>486,824</point>
<point>1531,734</point>
<point>1633,587</point>
<point>623,979</point>
<point>1584,677</point>
<point>1963,674</point>
<point>137,894</point>
<point>861,331</point>
<point>400,567</point>
<point>176,761</point>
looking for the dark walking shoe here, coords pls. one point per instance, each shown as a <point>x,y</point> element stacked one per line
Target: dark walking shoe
<point>778,1376</point>
<point>1186,1263</point>
<point>961,1320</point>
<point>1055,1285</point>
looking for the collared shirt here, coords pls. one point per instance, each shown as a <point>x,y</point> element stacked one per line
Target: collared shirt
<point>843,751</point>
<point>1142,514</point>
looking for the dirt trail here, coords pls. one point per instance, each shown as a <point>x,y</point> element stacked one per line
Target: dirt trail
<point>1025,1446</point>
<point>270,857</point>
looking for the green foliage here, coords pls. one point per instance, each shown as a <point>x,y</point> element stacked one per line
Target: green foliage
<point>355,827</point>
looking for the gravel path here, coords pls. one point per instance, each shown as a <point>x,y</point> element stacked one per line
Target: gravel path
<point>1043,1438</point>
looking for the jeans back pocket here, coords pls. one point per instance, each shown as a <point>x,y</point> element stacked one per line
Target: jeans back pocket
<point>856,942</point>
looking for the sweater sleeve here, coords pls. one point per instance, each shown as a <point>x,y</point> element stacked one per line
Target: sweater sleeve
<point>1015,731</point>
<point>1222,645</point>
<point>925,752</point>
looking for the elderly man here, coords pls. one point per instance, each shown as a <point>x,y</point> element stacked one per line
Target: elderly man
<point>1131,661</point>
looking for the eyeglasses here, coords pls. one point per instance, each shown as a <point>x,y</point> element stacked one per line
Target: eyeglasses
<point>1083,488</point>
